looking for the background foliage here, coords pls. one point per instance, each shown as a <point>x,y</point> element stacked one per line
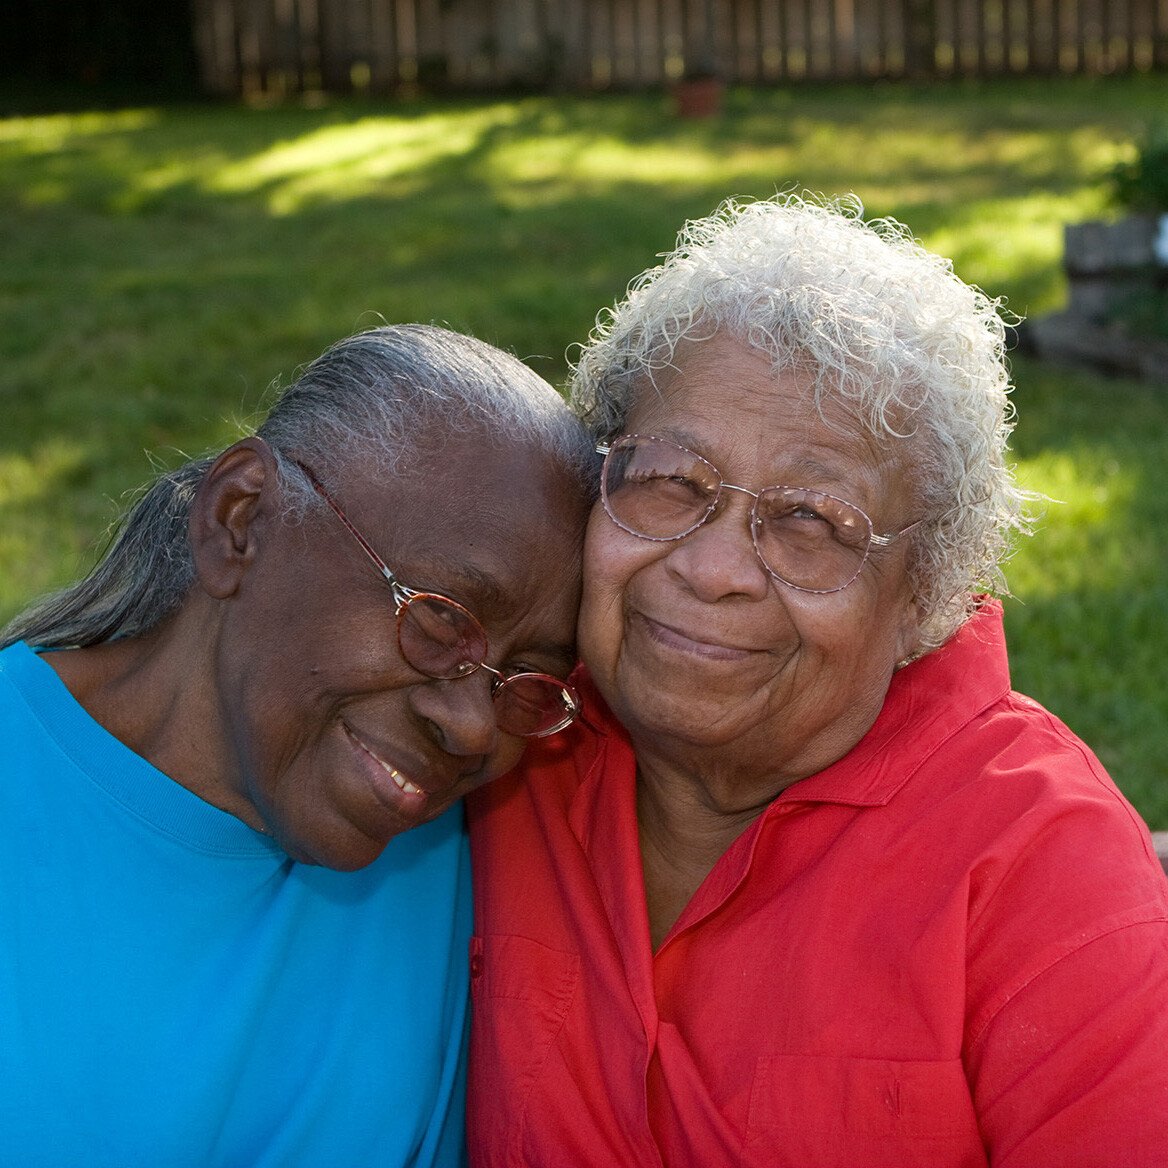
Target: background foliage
<point>163,265</point>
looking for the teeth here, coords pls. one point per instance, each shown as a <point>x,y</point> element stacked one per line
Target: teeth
<point>400,781</point>
<point>399,778</point>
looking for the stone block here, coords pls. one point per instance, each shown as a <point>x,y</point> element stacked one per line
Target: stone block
<point>1160,839</point>
<point>1097,247</point>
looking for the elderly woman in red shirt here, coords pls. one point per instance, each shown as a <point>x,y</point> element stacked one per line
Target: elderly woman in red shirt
<point>809,884</point>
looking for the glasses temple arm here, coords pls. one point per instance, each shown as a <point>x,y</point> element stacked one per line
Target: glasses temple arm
<point>886,540</point>
<point>378,562</point>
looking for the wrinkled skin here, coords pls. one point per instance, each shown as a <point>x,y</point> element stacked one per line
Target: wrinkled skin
<point>279,693</point>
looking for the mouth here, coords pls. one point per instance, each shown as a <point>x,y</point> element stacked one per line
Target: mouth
<point>409,791</point>
<point>680,641</point>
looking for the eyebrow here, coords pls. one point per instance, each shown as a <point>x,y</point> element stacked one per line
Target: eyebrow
<point>679,435</point>
<point>486,591</point>
<point>455,576</point>
<point>803,464</point>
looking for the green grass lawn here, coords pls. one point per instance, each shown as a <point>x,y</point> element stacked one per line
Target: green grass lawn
<point>163,267</point>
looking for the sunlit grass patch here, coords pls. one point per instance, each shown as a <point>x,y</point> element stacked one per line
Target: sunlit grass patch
<point>1089,624</point>
<point>162,267</point>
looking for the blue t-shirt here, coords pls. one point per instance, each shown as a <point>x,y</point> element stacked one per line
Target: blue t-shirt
<point>174,990</point>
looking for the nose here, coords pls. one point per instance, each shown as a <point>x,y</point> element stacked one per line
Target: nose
<point>460,712</point>
<point>719,558</point>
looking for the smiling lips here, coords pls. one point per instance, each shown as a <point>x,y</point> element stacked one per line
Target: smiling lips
<point>400,781</point>
<point>675,638</point>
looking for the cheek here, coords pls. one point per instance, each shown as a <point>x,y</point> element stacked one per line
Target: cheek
<point>859,629</point>
<point>611,559</point>
<point>594,623</point>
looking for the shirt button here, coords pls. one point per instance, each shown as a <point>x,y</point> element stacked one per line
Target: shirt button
<point>476,965</point>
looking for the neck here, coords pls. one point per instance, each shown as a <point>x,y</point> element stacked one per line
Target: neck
<point>683,833</point>
<point>151,693</point>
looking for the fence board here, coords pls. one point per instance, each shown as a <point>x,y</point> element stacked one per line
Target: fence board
<point>277,47</point>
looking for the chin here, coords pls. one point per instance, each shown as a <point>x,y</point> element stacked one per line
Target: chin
<point>347,855</point>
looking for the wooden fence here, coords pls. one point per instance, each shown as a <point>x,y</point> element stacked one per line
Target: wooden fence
<point>276,47</point>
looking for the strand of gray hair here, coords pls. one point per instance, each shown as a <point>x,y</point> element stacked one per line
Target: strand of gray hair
<point>376,396</point>
<point>876,321</point>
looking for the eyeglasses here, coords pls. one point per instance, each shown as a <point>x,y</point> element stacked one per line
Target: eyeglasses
<point>441,639</point>
<point>812,541</point>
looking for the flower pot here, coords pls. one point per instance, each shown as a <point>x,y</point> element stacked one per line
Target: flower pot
<point>697,97</point>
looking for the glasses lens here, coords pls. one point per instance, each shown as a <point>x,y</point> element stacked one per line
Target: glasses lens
<point>535,704</point>
<point>810,540</point>
<point>439,637</point>
<point>655,489</point>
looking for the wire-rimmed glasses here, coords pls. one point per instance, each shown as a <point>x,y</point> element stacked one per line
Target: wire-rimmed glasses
<point>810,540</point>
<point>440,638</point>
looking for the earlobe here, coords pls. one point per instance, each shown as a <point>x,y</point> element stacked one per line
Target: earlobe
<point>231,507</point>
<point>909,644</point>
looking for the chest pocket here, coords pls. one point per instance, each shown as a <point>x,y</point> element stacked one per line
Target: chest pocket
<point>520,994</point>
<point>841,1112</point>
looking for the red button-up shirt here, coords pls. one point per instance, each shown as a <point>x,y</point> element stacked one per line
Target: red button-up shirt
<point>948,949</point>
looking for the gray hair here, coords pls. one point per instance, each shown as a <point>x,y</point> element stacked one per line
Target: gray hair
<point>877,321</point>
<point>376,397</point>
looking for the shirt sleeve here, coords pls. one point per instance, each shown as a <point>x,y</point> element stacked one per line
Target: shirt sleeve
<point>1073,1068</point>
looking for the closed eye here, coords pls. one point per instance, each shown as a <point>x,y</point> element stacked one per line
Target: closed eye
<point>799,512</point>
<point>802,511</point>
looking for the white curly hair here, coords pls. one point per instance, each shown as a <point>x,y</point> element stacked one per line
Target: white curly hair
<point>880,323</point>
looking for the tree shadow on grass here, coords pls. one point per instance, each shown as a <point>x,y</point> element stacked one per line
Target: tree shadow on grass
<point>164,266</point>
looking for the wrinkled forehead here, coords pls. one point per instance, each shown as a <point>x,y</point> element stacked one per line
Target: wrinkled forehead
<point>723,397</point>
<point>849,394</point>
<point>465,490</point>
<point>439,456</point>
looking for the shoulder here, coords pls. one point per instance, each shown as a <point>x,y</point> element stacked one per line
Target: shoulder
<point>553,769</point>
<point>1033,779</point>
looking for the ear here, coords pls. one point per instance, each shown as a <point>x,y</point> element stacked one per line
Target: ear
<point>909,639</point>
<point>237,499</point>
